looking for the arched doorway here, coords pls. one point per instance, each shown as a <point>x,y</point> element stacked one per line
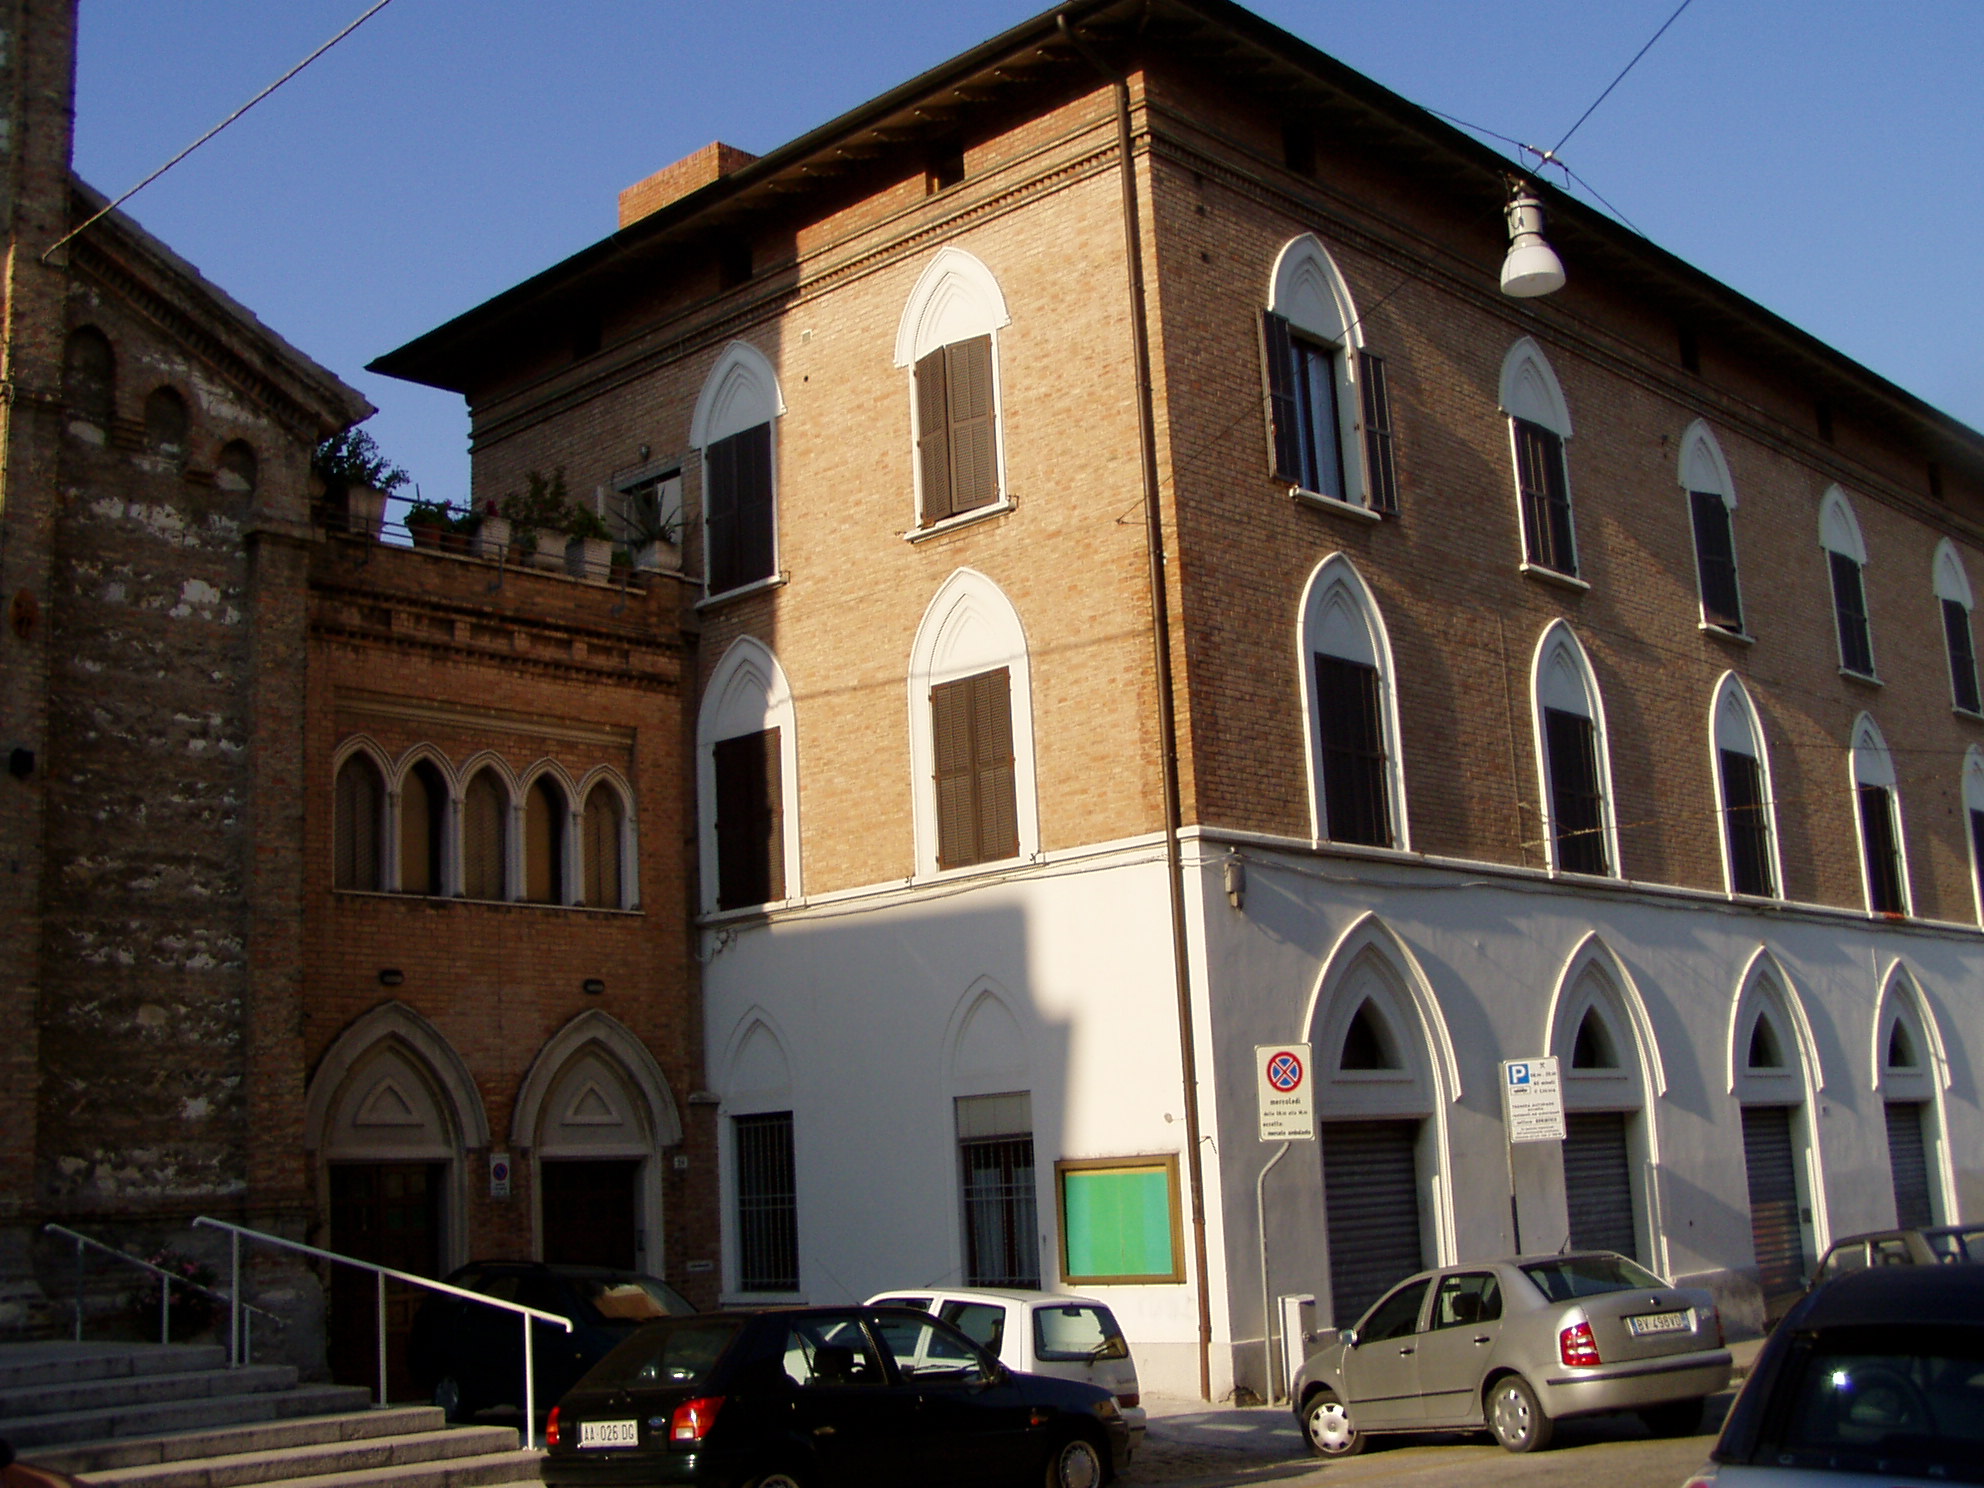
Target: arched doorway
<point>1773,1073</point>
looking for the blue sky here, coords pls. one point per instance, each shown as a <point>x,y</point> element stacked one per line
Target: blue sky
<point>1825,159</point>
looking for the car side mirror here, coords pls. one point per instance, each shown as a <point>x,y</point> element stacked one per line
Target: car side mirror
<point>1349,1337</point>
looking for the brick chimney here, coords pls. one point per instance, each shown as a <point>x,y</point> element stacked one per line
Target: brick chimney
<point>673,182</point>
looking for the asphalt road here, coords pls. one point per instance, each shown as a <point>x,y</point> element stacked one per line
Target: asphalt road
<point>1188,1452</point>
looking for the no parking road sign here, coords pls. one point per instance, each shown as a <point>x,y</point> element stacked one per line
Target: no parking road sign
<point>1288,1106</point>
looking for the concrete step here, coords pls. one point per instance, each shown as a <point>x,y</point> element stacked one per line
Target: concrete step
<point>258,1436</point>
<point>52,1362</point>
<point>435,1448</point>
<point>459,1472</point>
<point>65,1428</point>
<point>143,1389</point>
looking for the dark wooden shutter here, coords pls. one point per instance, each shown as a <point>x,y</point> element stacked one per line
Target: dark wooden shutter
<point>1576,803</point>
<point>1963,656</point>
<point>1284,427</point>
<point>971,723</point>
<point>602,849</point>
<point>1715,561</point>
<point>485,830</point>
<point>1883,852</point>
<point>1977,849</point>
<point>1356,802</point>
<point>1546,498</point>
<point>738,508</point>
<point>544,843</point>
<point>1849,602</point>
<point>359,800</point>
<point>423,821</point>
<point>750,820</point>
<point>1371,1211</point>
<point>1380,463</point>
<point>1598,1182</point>
<point>974,450</point>
<point>933,436</point>
<point>1770,1162</point>
<point>1908,1163</point>
<point>1746,823</point>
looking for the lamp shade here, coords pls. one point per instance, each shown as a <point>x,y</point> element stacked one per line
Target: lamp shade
<point>1532,267</point>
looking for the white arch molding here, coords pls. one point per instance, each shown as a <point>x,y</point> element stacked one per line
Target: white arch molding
<point>1765,992</point>
<point>1925,1083</point>
<point>1308,290</point>
<point>748,693</point>
<point>1702,464</point>
<point>1561,677</point>
<point>1871,764</point>
<point>1528,389</point>
<point>986,1043</point>
<point>969,627</point>
<point>1339,617</point>
<point>955,298</point>
<point>1734,725</point>
<point>1839,529</point>
<point>740,393</point>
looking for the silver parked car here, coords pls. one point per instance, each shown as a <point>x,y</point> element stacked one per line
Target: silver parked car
<point>1875,1379</point>
<point>1516,1346</point>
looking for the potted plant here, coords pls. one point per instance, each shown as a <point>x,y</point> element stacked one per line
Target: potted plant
<point>539,516</point>
<point>492,532</point>
<point>427,520</point>
<point>589,554</point>
<point>358,479</point>
<point>459,535</point>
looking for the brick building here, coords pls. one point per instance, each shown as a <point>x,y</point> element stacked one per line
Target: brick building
<point>343,878</point>
<point>1589,676</point>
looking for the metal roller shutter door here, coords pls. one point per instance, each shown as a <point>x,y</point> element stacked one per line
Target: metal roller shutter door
<point>1598,1183</point>
<point>1909,1162</point>
<point>1771,1164</point>
<point>1371,1194</point>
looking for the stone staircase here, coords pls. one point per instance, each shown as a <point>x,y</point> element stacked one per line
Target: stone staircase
<point>158,1416</point>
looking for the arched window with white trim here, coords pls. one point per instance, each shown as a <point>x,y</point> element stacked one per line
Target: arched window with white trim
<point>1775,1077</point>
<point>948,340</point>
<point>1742,776</point>
<point>747,781</point>
<point>971,729</point>
<point>1572,758</point>
<point>733,426</point>
<point>1539,427</point>
<point>1712,512</point>
<point>1877,813</point>
<point>1355,782</point>
<point>1846,561</point>
<point>1953,598</point>
<point>1324,390</point>
<point>1911,1072</point>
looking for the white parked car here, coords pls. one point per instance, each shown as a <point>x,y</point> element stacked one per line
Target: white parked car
<point>1051,1333</point>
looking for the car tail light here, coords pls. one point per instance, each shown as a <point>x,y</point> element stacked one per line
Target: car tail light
<point>1129,1400</point>
<point>551,1428</point>
<point>1576,1345</point>
<point>692,1419</point>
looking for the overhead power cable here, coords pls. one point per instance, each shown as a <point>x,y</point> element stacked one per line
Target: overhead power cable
<point>75,232</point>
<point>1551,154</point>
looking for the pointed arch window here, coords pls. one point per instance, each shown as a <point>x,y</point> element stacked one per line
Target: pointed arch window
<point>1846,561</point>
<point>1576,783</point>
<point>603,838</point>
<point>733,426</point>
<point>1749,844</point>
<point>1973,816</point>
<point>423,829</point>
<point>747,782</point>
<point>89,377</point>
<point>545,827</point>
<point>949,338</point>
<point>1352,717</point>
<point>1324,389</point>
<point>1539,427</point>
<point>358,819</point>
<point>485,837</point>
<point>1712,510</point>
<point>1953,597</point>
<point>1878,812</point>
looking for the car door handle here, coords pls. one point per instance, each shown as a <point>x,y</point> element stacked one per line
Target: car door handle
<point>823,1431</point>
<point>1404,1351</point>
<point>1484,1338</point>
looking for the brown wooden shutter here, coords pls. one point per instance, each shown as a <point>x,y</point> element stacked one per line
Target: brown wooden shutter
<point>359,799</point>
<point>992,730</point>
<point>1381,467</point>
<point>738,508</point>
<point>974,449</point>
<point>544,842</point>
<point>1715,560</point>
<point>1284,428</point>
<point>750,820</point>
<point>422,796</point>
<point>1571,747</point>
<point>485,830</point>
<point>950,735</point>
<point>720,514</point>
<point>602,849</point>
<point>933,436</point>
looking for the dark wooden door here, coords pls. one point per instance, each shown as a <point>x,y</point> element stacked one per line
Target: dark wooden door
<point>389,1213</point>
<point>588,1209</point>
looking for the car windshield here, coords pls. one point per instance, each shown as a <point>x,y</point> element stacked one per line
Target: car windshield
<point>1077,1330</point>
<point>631,1299</point>
<point>1870,1400</point>
<point>1566,1278</point>
<point>678,1352</point>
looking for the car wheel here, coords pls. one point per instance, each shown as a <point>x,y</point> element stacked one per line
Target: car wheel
<point>448,1395</point>
<point>1076,1464</point>
<point>1514,1416</point>
<point>1326,1422</point>
<point>1675,1418</point>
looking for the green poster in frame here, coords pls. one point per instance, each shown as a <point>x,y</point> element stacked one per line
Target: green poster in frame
<point>1120,1220</point>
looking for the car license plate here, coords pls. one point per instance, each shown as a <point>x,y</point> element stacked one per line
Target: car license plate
<point>609,1433</point>
<point>1657,1322</point>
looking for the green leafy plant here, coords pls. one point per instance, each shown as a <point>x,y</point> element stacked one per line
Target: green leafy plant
<point>353,458</point>
<point>542,507</point>
<point>420,512</point>
<point>583,521</point>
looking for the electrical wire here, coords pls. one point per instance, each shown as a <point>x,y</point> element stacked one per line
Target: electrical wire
<point>1551,154</point>
<point>78,231</point>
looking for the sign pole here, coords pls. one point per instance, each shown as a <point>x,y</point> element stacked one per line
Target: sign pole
<point>1515,1210</point>
<point>1532,1111</point>
<point>1288,1114</point>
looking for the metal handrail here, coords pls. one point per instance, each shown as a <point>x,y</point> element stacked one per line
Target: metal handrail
<point>237,1233</point>
<point>165,1291</point>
